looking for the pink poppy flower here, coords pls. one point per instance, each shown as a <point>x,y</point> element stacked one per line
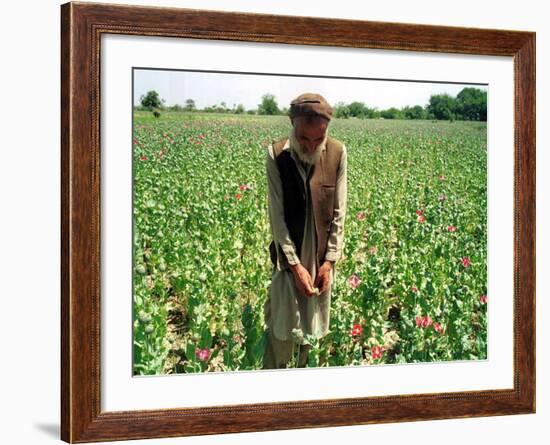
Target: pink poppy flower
<point>373,250</point>
<point>361,216</point>
<point>441,177</point>
<point>423,322</point>
<point>466,261</point>
<point>377,352</point>
<point>483,299</point>
<point>143,158</point>
<point>354,281</point>
<point>202,354</point>
<point>419,212</point>
<point>414,289</point>
<point>451,229</point>
<point>438,328</point>
<point>421,219</point>
<point>244,187</point>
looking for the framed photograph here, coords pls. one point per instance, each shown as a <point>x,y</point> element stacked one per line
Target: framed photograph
<point>274,222</point>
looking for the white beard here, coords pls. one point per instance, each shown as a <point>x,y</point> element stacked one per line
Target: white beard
<point>299,150</point>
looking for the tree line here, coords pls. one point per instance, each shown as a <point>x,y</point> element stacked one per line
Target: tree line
<point>470,104</point>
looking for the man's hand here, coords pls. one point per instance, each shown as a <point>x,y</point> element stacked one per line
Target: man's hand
<point>303,280</point>
<point>323,279</point>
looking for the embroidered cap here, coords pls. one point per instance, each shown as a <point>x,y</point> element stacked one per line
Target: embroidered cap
<point>310,104</point>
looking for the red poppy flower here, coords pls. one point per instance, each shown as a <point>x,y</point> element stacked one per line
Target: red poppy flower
<point>238,196</point>
<point>438,328</point>
<point>419,212</point>
<point>466,261</point>
<point>483,299</point>
<point>143,158</point>
<point>421,219</point>
<point>361,216</point>
<point>356,330</point>
<point>414,289</point>
<point>451,229</point>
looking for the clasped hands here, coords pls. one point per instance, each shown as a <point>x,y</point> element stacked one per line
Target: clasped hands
<point>305,284</point>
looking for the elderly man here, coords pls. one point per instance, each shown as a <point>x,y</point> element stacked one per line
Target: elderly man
<point>307,193</point>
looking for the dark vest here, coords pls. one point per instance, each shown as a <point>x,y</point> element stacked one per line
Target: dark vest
<point>322,184</point>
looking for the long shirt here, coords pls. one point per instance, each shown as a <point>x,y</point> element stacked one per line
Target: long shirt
<point>286,308</point>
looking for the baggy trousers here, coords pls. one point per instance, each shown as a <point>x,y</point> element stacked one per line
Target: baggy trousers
<point>279,352</point>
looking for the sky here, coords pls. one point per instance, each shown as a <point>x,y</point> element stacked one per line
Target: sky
<point>212,88</point>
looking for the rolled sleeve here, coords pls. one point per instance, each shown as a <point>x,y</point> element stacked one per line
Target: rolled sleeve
<point>336,235</point>
<point>277,222</point>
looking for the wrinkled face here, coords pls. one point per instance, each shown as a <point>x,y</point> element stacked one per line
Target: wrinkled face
<point>310,134</point>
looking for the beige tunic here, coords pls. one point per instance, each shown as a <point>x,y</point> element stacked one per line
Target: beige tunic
<point>285,308</point>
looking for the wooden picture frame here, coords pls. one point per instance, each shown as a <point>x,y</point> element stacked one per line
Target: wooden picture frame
<point>82,25</point>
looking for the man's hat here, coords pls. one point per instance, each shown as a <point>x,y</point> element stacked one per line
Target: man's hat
<point>310,104</point>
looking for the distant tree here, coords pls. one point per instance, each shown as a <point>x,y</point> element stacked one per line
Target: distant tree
<point>239,109</point>
<point>190,105</point>
<point>341,111</point>
<point>443,106</point>
<point>472,104</point>
<point>358,109</point>
<point>391,113</point>
<point>428,113</point>
<point>251,112</point>
<point>151,100</point>
<point>221,108</point>
<point>374,113</point>
<point>269,105</point>
<point>176,107</point>
<point>416,112</point>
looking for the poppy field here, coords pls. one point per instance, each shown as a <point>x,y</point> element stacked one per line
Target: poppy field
<point>411,285</point>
